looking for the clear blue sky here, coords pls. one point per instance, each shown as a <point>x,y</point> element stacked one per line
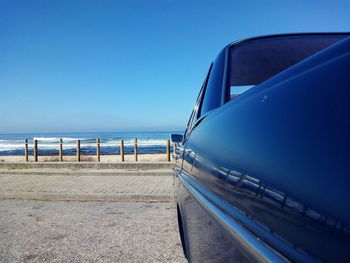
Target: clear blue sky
<point>128,65</point>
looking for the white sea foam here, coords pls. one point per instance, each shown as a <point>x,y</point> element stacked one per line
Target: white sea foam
<point>10,147</point>
<point>56,139</point>
<point>74,139</point>
<point>152,143</point>
<point>46,139</point>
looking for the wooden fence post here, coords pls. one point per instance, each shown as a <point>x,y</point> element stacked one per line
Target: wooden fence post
<point>135,150</point>
<point>98,150</point>
<point>168,150</point>
<point>122,150</point>
<point>78,150</point>
<point>26,150</point>
<point>61,151</point>
<point>35,150</point>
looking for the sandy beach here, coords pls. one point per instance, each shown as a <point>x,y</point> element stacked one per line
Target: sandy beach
<point>159,157</point>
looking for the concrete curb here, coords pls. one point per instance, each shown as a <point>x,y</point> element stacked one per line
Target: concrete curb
<point>87,173</point>
<point>88,197</point>
<point>88,165</point>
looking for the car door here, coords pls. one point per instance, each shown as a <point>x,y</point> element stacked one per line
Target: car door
<point>205,240</point>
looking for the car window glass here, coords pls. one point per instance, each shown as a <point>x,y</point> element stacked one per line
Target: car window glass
<point>237,90</point>
<point>212,94</point>
<point>255,61</point>
<point>194,114</point>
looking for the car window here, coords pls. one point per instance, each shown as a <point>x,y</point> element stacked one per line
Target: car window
<point>194,115</point>
<point>237,90</point>
<point>212,93</point>
<point>255,61</point>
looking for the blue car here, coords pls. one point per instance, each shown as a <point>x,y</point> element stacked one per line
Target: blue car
<point>263,169</point>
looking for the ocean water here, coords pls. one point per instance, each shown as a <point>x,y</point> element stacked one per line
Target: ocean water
<point>48,143</point>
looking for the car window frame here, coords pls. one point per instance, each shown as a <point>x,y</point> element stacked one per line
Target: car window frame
<point>229,48</point>
<point>192,123</point>
<point>218,72</point>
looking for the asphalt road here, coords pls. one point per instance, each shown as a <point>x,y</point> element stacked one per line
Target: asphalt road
<point>39,231</point>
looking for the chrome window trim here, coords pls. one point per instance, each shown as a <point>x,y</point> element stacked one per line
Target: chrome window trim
<point>224,88</point>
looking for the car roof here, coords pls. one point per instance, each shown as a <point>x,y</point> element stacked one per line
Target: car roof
<point>287,34</point>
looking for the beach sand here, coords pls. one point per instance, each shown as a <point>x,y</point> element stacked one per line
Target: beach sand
<point>159,157</point>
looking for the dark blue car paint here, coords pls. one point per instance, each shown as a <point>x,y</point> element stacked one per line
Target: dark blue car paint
<point>266,177</point>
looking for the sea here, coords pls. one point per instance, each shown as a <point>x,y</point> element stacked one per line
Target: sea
<point>48,143</point>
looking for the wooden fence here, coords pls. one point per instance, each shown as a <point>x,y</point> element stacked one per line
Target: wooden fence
<point>98,150</point>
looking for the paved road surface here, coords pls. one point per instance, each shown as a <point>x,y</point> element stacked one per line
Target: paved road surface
<point>87,188</point>
<point>39,231</point>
